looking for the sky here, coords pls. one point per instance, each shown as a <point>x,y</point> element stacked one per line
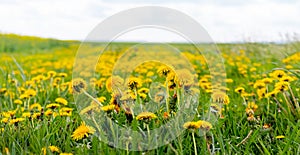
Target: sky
<point>224,20</point>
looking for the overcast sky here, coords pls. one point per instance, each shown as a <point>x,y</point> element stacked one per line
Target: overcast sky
<point>224,20</point>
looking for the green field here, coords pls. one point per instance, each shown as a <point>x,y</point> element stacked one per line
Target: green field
<point>251,108</point>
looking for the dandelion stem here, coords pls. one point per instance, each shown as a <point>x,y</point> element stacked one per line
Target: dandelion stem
<point>58,90</point>
<point>280,106</point>
<point>245,139</point>
<point>132,113</point>
<point>138,99</point>
<point>268,108</point>
<point>212,144</point>
<point>87,94</point>
<point>112,129</point>
<point>173,149</point>
<point>97,126</point>
<point>148,131</point>
<point>28,103</point>
<point>127,147</point>
<point>245,102</point>
<point>167,96</point>
<point>288,104</point>
<point>295,101</point>
<point>178,97</point>
<point>207,145</point>
<point>51,84</point>
<point>194,141</point>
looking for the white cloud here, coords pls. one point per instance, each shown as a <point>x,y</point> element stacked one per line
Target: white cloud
<point>225,21</point>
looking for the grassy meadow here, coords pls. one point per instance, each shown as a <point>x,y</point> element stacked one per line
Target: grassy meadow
<point>254,111</point>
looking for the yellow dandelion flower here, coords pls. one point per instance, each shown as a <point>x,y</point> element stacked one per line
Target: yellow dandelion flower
<point>253,69</point>
<point>267,80</point>
<point>18,102</point>
<point>149,74</point>
<point>146,116</point>
<point>3,90</point>
<point>51,74</point>
<point>277,74</point>
<point>282,86</point>
<point>164,71</point>
<point>147,80</point>
<point>93,80</point>
<point>4,120</point>
<point>259,85</point>
<point>229,80</point>
<point>251,108</point>
<point>65,111</point>
<point>134,83</point>
<point>203,80</point>
<point>52,148</point>
<point>35,106</point>
<point>52,106</point>
<point>13,81</point>
<point>289,67</point>
<point>245,94</point>
<point>66,154</point>
<point>36,115</point>
<point>89,109</point>
<point>61,101</point>
<point>78,85</point>
<point>191,125</point>
<point>272,93</point>
<point>63,75</point>
<point>82,131</point>
<point>143,90</point>
<point>143,96</point>
<point>21,90</point>
<point>30,92</point>
<point>261,93</point>
<point>286,79</point>
<point>101,99</point>
<point>184,78</point>
<point>24,96</point>
<point>10,113</point>
<point>16,121</point>
<point>224,89</point>
<point>256,64</point>
<point>48,112</point>
<point>220,97</point>
<point>204,125</point>
<point>113,82</point>
<point>204,84</point>
<point>128,96</point>
<point>240,90</point>
<point>26,114</point>
<point>280,137</point>
<point>56,80</point>
<point>6,151</point>
<point>108,108</point>
<point>252,105</point>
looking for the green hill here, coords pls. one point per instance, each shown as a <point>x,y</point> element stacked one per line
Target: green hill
<point>17,43</point>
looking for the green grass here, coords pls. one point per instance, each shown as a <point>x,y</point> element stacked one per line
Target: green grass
<point>231,134</point>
